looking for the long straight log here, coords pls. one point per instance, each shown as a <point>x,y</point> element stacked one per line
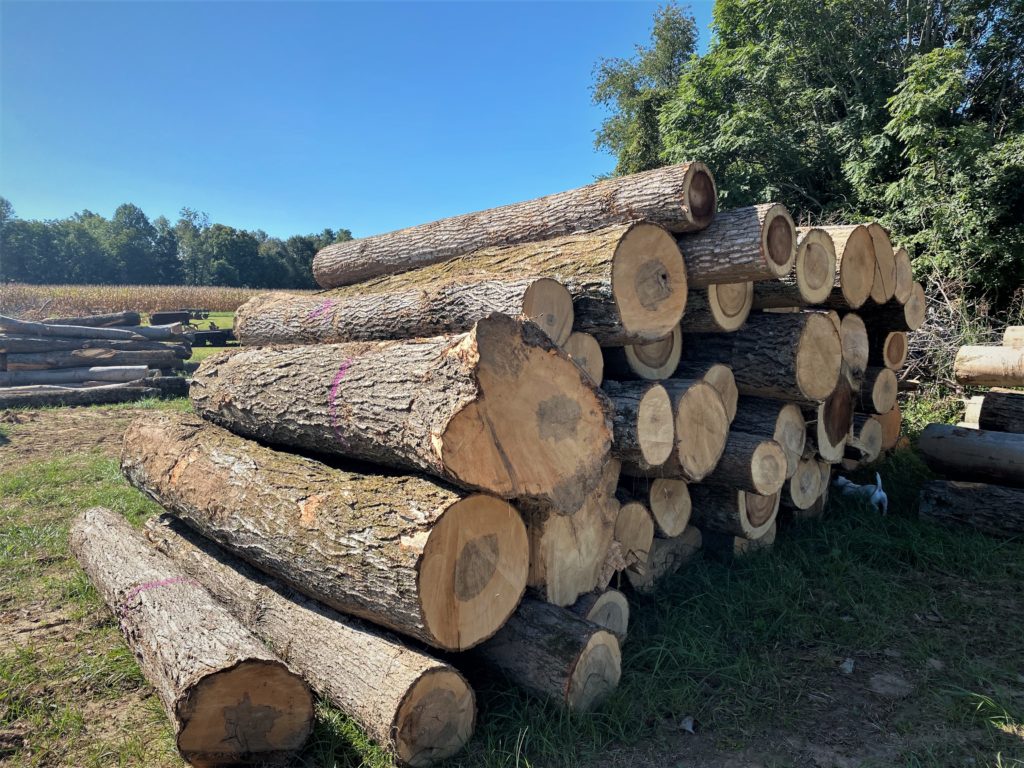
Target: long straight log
<point>681,198</point>
<point>719,376</point>
<point>719,308</point>
<point>667,556</point>
<point>379,310</point>
<point>992,509</point>
<point>112,374</point>
<point>651,361</point>
<point>29,328</point>
<point>29,344</point>
<point>753,243</point>
<point>750,463</point>
<point>904,276</point>
<point>608,609</point>
<point>498,409</point>
<point>1002,410</point>
<point>643,422</point>
<point>98,321</point>
<point>84,358</point>
<point>417,707</point>
<point>1013,336</point>
<point>883,284</point>
<point>49,397</point>
<point>973,454</point>
<point>989,366</point>
<point>727,510</point>
<point>855,263</point>
<point>403,552</point>
<point>781,421</point>
<point>212,675</point>
<point>889,350</point>
<point>667,499</point>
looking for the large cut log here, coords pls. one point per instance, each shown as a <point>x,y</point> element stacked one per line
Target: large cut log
<point>29,328</point>
<point>583,349</point>
<point>753,243</point>
<point>1002,410</point>
<point>992,509</point>
<point>853,337</point>
<point>1013,336</point>
<point>889,350</point>
<point>892,423</point>
<point>682,198</point>
<point>375,311</point>
<point>804,487</point>
<point>811,280</point>
<point>828,423</point>
<point>415,706</point>
<point>46,396</point>
<point>781,421</point>
<point>667,499</point>
<point>750,463</point>
<point>404,552</point>
<point>651,361</point>
<point>878,391</point>
<point>608,609</point>
<point>30,344</point>
<point>98,321</point>
<point>719,308</point>
<point>989,366</point>
<point>855,263</point>
<point>553,653</point>
<point>229,699</point>
<point>498,409</point>
<point>893,316</point>
<point>643,422</point>
<point>727,510</point>
<point>793,357</point>
<point>111,374</point>
<point>865,441</point>
<point>667,556</point>
<point>719,376</point>
<point>634,532</point>
<point>904,276</point>
<point>883,284</point>
<point>973,454</point>
<point>83,358</point>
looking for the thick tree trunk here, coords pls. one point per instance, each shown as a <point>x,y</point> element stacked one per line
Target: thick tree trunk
<point>878,391</point>
<point>1013,336</point>
<point>583,349</point>
<point>83,358</point>
<point>813,275</point>
<point>634,532</point>
<point>793,357</point>
<point>991,509</point>
<point>781,421</point>
<point>904,276</point>
<point>727,510</point>
<point>27,344</point>
<point>406,553</point>
<point>719,308</point>
<point>609,609</point>
<point>889,349</point>
<point>804,488</point>
<point>682,198</point>
<point>883,285</point>
<point>644,423</point>
<point>855,262</point>
<point>46,396</point>
<point>989,366</point>
<point>379,311</point>
<point>553,653</point>
<point>98,321</point>
<point>667,556</point>
<point>419,708</point>
<point>973,454</point>
<point>892,423</point>
<point>1002,410</point>
<point>750,463</point>
<point>719,376</point>
<point>893,316</point>
<point>498,409</point>
<point>701,430</point>
<point>865,441</point>
<point>744,244</point>
<point>667,499</point>
<point>110,374</point>
<point>230,700</point>
<point>650,361</point>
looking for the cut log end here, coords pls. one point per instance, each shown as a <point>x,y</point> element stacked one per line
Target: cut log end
<point>701,429</point>
<point>895,348</point>
<point>548,304</point>
<point>819,357</point>
<point>700,196</point>
<point>670,504</point>
<point>656,360</point>
<point>791,433</point>
<point>596,673</point>
<point>853,336</point>
<point>778,240</point>
<point>904,276</point>
<point>730,304</point>
<point>758,513</point>
<point>634,531</point>
<point>856,259</point>
<point>883,284</point>
<point>768,468</point>
<point>586,353</point>
<point>655,427</point>
<point>815,265</point>
<point>649,282</point>
<point>916,307</point>
<point>436,718</point>
<point>805,486</point>
<point>608,609</point>
<point>720,377</point>
<point>884,390</point>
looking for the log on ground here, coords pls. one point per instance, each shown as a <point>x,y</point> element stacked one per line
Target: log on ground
<point>973,454</point>
<point>112,374</point>
<point>727,510</point>
<point>667,556</point>
<point>992,509</point>
<point>719,376</point>
<point>668,500</point>
<point>1002,410</point>
<point>1013,336</point>
<point>19,344</point>
<point>84,358</point>
<point>750,463</point>
<point>643,422</point>
<point>583,349</point>
<point>608,608</point>
<point>98,321</point>
<point>45,396</point>
<point>980,366</point>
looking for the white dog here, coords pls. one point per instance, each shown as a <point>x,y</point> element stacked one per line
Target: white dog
<point>873,493</point>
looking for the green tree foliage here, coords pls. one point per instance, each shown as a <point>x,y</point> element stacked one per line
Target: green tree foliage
<point>906,111</point>
<point>130,249</point>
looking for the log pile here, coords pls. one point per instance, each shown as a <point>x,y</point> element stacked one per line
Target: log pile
<point>89,360</point>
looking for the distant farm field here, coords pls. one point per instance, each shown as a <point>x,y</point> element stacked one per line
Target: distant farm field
<point>35,302</point>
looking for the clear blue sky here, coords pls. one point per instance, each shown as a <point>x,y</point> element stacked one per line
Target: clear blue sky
<point>292,117</point>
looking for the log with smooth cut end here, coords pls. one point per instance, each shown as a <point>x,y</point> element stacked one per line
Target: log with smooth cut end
<point>634,532</point>
<point>795,357</point>
<point>889,350</point>
<point>904,276</point>
<point>811,280</point>
<point>608,609</point>
<point>380,310</point>
<point>828,423</point>
<point>667,556</point>
<point>719,308</point>
<point>992,509</point>
<point>893,316</point>
<point>651,361</point>
<point>973,454</point>
<point>583,349</point>
<point>865,441</point>
<point>781,421</point>
<point>719,376</point>
<point>98,321</point>
<point>855,263</point>
<point>230,700</point>
<point>498,409</point>
<point>643,422</point>
<point>989,366</point>
<point>804,487</point>
<point>1002,410</point>
<point>668,500</point>
<point>892,423</point>
<point>1013,336</point>
<point>85,358</point>
<point>750,463</point>
<point>701,429</point>
<point>111,374</point>
<point>417,707</point>
<point>878,392</point>
<point>853,337</point>
<point>753,243</point>
<point>883,284</point>
<point>553,653</point>
<point>727,510</point>
<point>403,552</point>
<point>681,198</point>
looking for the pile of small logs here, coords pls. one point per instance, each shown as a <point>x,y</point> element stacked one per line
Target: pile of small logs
<point>483,427</point>
<point>89,360</point>
<point>983,455</point>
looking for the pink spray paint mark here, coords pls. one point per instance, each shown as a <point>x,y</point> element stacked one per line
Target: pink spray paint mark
<point>322,310</point>
<point>332,401</point>
<point>153,585</point>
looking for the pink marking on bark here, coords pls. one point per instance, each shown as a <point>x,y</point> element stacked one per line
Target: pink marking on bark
<point>322,310</point>
<point>153,585</point>
<point>332,401</point>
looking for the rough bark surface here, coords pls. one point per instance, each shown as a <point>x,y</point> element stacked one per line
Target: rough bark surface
<point>111,374</point>
<point>24,344</point>
<point>727,510</point>
<point>973,454</point>
<point>777,419</point>
<point>893,316</point>
<point>888,349</point>
<point>1002,410</point>
<point>419,708</point>
<point>84,358</point>
<point>666,557</point>
<point>98,321</point>
<point>991,509</point>
<point>989,366</point>
<point>230,700</point>
<point>44,396</point>
<point>750,463</point>
<point>682,198</point>
<point>403,552</point>
<point>719,308</point>
<point>498,409</point>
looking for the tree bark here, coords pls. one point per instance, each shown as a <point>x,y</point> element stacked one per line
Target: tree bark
<point>745,244</point>
<point>650,361</point>
<point>609,609</point>
<point>793,357</point>
<point>114,374</point>
<point>893,316</point>
<point>812,279</point>
<point>889,349</point>
<point>973,454</point>
<point>643,422</point>
<point>781,421</point>
<point>230,700</point>
<point>878,392</point>
<point>583,349</point>
<point>419,708</point>
<point>380,311</point>
<point>667,499</point>
<point>724,547</point>
<point>727,510</point>
<point>719,376</point>
<point>720,308</point>
<point>904,276</point>
<point>750,463</point>
<point>1013,336</point>
<point>498,409</point>
<point>681,198</point>
<point>406,553</point>
<point>855,262</point>
<point>667,556</point>
<point>1002,410</point>
<point>883,284</point>
<point>991,509</point>
<point>98,321</point>
<point>27,344</point>
<point>43,396</point>
<point>83,358</point>
<point>989,366</point>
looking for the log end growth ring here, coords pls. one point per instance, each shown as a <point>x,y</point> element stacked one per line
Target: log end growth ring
<point>435,719</point>
<point>883,283</point>
<point>857,267</point>
<point>778,240</point>
<point>549,304</point>
<point>895,350</point>
<point>700,195</point>
<point>670,504</point>
<point>730,304</point>
<point>649,282</point>
<point>596,673</point>
<point>819,357</point>
<point>768,468</point>
<point>791,434</point>
<point>702,429</point>
<point>611,611</point>
<point>757,513</point>
<point>815,265</point>
<point>655,428</point>
<point>885,391</point>
<point>853,336</point>
<point>656,360</point>
<point>586,353</point>
<point>720,376</point>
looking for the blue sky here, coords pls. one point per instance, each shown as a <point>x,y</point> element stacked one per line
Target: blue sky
<point>292,117</point>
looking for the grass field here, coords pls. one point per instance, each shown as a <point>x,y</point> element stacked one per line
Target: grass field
<point>933,621</point>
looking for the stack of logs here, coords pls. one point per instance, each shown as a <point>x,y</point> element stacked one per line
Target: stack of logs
<point>983,454</point>
<point>89,360</point>
<point>510,411</point>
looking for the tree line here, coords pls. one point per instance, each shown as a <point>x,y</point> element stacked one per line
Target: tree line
<point>910,112</point>
<point>128,248</point>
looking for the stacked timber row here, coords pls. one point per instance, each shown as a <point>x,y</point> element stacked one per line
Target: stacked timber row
<point>983,456</point>
<point>89,360</point>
